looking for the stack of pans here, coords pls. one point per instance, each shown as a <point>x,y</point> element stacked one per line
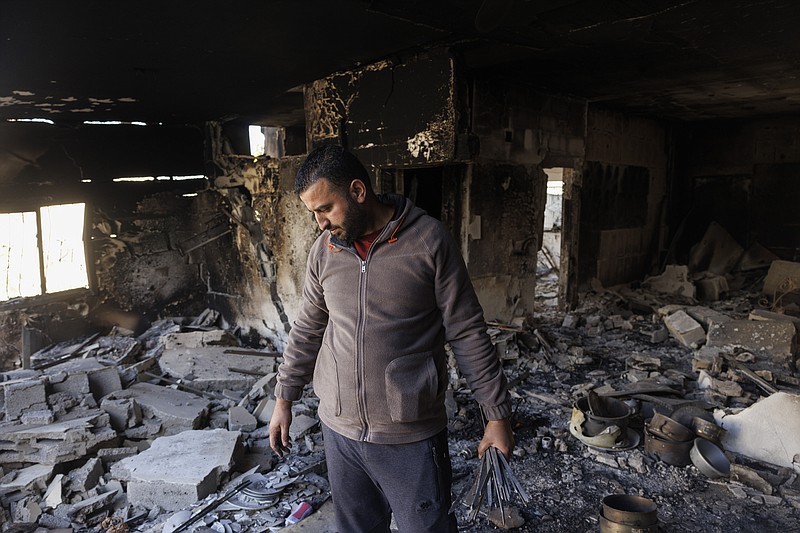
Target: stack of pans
<point>668,441</point>
<point>623,513</point>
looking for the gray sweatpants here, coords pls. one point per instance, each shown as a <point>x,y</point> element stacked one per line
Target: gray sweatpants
<point>370,482</point>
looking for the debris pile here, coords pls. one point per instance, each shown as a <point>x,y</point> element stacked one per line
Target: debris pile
<point>167,431</point>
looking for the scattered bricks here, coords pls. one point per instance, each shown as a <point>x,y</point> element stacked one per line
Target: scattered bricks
<point>103,380</point>
<point>176,410</point>
<point>55,523</point>
<point>61,402</point>
<point>706,316</point>
<point>738,492</point>
<point>774,337</point>
<point>711,287</point>
<point>38,418</point>
<point>239,419</point>
<point>264,409</point>
<point>26,511</point>
<point>110,456</point>
<point>659,335</point>
<point>570,321</point>
<point>301,424</point>
<point>782,276</point>
<point>85,478</point>
<point>25,482</point>
<point>685,329</point>
<point>75,384</point>
<point>212,368</point>
<point>91,511</point>
<point>65,440</point>
<point>674,280</point>
<point>177,471</point>
<point>721,386</point>
<point>123,413</point>
<point>198,339</point>
<point>23,395</point>
<point>707,358</point>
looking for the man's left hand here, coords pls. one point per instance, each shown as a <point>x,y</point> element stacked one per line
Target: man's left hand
<point>498,433</point>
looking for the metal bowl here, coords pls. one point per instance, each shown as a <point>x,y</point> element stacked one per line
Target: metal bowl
<point>630,510</point>
<point>709,459</point>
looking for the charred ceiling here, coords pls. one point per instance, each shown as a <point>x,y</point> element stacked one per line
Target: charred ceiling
<point>194,61</point>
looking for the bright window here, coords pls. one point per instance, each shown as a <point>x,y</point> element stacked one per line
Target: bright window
<point>62,251</point>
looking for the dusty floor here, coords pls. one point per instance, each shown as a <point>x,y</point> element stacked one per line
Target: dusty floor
<point>567,487</point>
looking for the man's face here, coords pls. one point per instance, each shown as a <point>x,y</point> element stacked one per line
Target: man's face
<point>336,210</point>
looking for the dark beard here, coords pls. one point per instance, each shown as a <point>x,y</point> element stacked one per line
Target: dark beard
<point>355,222</point>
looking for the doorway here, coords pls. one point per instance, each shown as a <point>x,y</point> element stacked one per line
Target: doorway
<point>548,260</point>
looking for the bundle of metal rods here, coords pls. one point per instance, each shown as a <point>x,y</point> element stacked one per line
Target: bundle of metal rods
<point>494,484</point>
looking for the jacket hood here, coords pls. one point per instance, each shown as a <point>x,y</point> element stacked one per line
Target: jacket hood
<point>405,213</point>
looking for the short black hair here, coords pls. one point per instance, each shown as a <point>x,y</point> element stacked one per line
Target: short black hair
<point>333,163</point>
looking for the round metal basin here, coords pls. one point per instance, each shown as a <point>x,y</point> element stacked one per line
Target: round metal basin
<point>630,510</point>
<point>709,459</point>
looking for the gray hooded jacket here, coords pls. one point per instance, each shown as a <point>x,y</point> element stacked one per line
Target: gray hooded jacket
<point>372,333</point>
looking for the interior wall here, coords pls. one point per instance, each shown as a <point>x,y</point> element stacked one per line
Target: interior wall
<point>745,175</point>
<point>520,132</point>
<point>623,199</point>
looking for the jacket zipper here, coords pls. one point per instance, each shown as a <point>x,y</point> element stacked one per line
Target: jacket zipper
<point>360,370</point>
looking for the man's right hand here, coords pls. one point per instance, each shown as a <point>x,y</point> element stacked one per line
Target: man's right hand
<point>279,427</point>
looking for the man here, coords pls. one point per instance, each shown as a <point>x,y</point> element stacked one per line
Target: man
<point>385,288</point>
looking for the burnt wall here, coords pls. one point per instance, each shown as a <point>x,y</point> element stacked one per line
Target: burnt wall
<point>520,132</point>
<point>623,197</point>
<point>746,177</point>
<point>135,230</point>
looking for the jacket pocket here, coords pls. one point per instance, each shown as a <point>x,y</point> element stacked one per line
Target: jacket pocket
<point>411,386</point>
<point>326,382</point>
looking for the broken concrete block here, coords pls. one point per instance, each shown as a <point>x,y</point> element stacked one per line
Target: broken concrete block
<point>264,409</point>
<point>176,410</point>
<point>199,339</point>
<point>65,440</point>
<point>86,477</point>
<point>768,430</point>
<point>26,481</point>
<point>781,277</point>
<point>755,257</point>
<point>711,287</point>
<point>54,496</point>
<point>706,316</point>
<point>76,385</point>
<point>110,456</point>
<point>301,424</point>
<point>659,335</point>
<point>685,329</point>
<point>26,511</point>
<point>239,419</point>
<point>103,380</point>
<point>91,511</point>
<point>763,314</point>
<point>211,368</point>
<point>38,418</point>
<point>570,321</point>
<point>674,280</point>
<point>123,413</point>
<point>177,471</point>
<point>773,337</point>
<point>723,387</point>
<point>717,251</point>
<point>707,359</point>
<point>22,395</point>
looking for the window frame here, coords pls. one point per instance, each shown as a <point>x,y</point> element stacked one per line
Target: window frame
<point>36,207</point>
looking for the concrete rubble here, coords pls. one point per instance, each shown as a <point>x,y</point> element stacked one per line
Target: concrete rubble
<point>144,432</point>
